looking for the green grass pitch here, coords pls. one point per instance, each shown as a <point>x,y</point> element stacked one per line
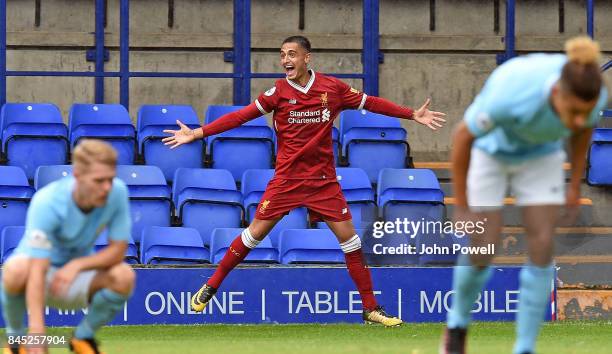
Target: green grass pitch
<point>495,338</point>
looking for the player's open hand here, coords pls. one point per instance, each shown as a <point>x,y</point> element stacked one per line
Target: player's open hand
<point>429,118</point>
<point>63,278</point>
<point>185,135</point>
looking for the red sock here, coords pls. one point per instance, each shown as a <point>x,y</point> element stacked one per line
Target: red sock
<point>360,273</point>
<point>235,254</point>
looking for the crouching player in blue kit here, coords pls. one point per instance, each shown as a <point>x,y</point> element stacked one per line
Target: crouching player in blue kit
<point>55,263</point>
<point>512,136</point>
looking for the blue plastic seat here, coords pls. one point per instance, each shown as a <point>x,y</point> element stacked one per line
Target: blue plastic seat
<point>150,197</point>
<point>309,246</point>
<point>372,142</point>
<point>207,199</point>
<point>254,183</point>
<point>152,121</point>
<point>131,254</point>
<point>222,238</point>
<point>172,245</point>
<point>33,134</point>
<point>15,195</point>
<point>336,144</point>
<point>109,122</point>
<point>11,235</point>
<point>249,146</point>
<point>47,174</point>
<point>599,169</point>
<point>444,240</point>
<point>359,195</point>
<point>411,195</point>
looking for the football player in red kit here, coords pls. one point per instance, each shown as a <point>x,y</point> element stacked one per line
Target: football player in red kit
<point>305,105</point>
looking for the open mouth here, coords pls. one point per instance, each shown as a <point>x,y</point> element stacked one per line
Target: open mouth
<point>290,70</point>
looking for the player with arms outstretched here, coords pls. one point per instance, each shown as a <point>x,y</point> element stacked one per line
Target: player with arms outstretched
<point>55,263</point>
<point>512,135</point>
<point>305,105</point>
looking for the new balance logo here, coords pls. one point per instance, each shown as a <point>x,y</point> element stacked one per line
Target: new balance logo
<point>292,101</point>
<point>344,211</point>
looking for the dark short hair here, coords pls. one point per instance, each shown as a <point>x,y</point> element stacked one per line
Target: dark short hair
<point>301,40</point>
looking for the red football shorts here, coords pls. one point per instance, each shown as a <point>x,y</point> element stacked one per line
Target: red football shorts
<point>323,198</point>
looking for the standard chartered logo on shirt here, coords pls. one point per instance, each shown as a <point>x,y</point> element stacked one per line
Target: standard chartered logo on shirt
<point>308,117</point>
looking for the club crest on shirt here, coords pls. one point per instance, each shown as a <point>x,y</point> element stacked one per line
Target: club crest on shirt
<point>324,100</point>
<point>483,122</point>
<point>355,91</point>
<point>270,92</point>
<point>38,239</point>
<point>264,205</point>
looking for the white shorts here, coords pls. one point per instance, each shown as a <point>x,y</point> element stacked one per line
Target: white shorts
<point>77,296</point>
<point>539,181</point>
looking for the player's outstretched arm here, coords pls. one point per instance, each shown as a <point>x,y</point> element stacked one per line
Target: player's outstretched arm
<point>185,135</point>
<point>35,294</point>
<point>432,119</point>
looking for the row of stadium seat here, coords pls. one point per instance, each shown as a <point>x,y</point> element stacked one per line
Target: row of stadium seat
<point>182,246</point>
<point>33,134</point>
<point>208,198</point>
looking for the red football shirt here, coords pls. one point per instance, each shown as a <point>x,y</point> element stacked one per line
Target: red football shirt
<point>303,120</point>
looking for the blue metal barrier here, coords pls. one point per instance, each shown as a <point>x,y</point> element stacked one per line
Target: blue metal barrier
<point>241,74</point>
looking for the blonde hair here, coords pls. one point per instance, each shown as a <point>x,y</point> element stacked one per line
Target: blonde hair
<point>91,150</point>
<point>581,76</point>
<point>583,50</point>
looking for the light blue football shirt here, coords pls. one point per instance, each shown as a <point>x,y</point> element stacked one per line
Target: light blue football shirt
<point>57,229</point>
<point>512,117</point>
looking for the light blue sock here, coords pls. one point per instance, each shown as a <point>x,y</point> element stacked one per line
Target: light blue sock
<point>105,304</point>
<point>536,284</point>
<point>13,311</point>
<point>468,281</point>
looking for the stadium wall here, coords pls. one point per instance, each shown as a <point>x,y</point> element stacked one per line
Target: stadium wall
<point>448,64</point>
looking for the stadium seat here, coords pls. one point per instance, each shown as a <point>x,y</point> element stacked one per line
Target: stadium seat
<point>336,144</point>
<point>298,246</point>
<point>109,122</point>
<point>172,245</point>
<point>372,142</point>
<point>11,235</point>
<point>222,238</point>
<point>411,195</point>
<point>207,199</point>
<point>15,195</point>
<point>150,201</point>
<point>441,240</point>
<point>254,183</point>
<point>249,146</point>
<point>152,121</point>
<point>33,134</point>
<point>47,174</point>
<point>131,255</point>
<point>359,195</point>
<point>599,169</point>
